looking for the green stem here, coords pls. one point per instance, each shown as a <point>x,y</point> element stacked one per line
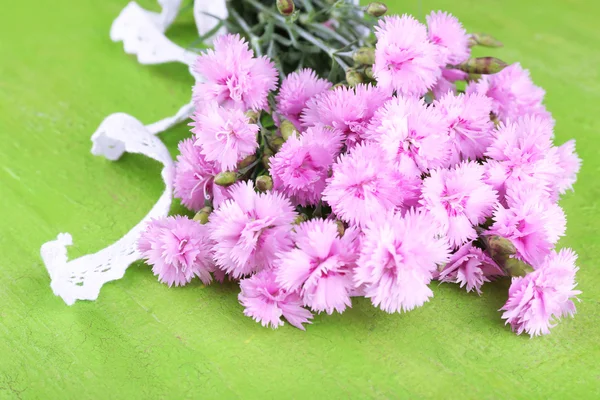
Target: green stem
<point>254,40</point>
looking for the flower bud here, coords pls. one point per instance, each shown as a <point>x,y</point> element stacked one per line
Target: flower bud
<point>376,9</point>
<point>287,129</point>
<point>482,65</point>
<point>500,247</point>
<point>285,7</point>
<point>353,77</point>
<point>483,39</point>
<point>300,219</point>
<point>226,178</point>
<point>264,183</point>
<point>202,215</point>
<point>369,72</point>
<point>364,56</point>
<point>267,153</point>
<point>246,162</point>
<point>252,116</point>
<point>275,143</point>
<point>341,228</point>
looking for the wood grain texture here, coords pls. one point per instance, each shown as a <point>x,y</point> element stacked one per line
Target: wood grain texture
<point>60,76</point>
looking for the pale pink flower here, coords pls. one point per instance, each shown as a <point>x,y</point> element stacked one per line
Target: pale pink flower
<point>398,258</point>
<point>296,89</point>
<point>405,60</point>
<point>458,199</point>
<point>442,87</point>
<point>194,178</point>
<point>468,120</point>
<point>521,152</point>
<point>225,135</point>
<point>531,222</point>
<point>541,297</point>
<point>320,266</point>
<point>266,302</point>
<point>348,110</point>
<point>445,31</point>
<point>569,164</point>
<point>512,92</point>
<point>250,228</point>
<point>233,77</point>
<point>300,168</point>
<point>470,267</point>
<point>363,185</point>
<point>405,127</point>
<point>178,249</point>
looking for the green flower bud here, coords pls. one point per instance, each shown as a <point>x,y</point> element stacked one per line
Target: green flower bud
<point>287,129</point>
<point>376,9</point>
<point>275,143</point>
<point>500,247</point>
<point>341,228</point>
<point>353,77</point>
<point>252,116</point>
<point>516,267</point>
<point>226,178</point>
<point>300,219</point>
<point>483,39</point>
<point>264,183</point>
<point>482,65</point>
<point>202,215</point>
<point>369,72</point>
<point>246,162</point>
<point>267,153</point>
<point>285,7</point>
<point>364,56</point>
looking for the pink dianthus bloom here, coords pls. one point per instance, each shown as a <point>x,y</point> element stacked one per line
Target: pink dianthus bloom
<point>536,300</point>
<point>266,302</point>
<point>469,124</point>
<point>398,258</point>
<point>178,249</point>
<point>458,199</point>
<point>470,267</point>
<point>249,229</point>
<point>296,89</point>
<point>225,135</point>
<point>448,34</point>
<point>405,60</point>
<point>531,222</point>
<point>522,152</point>
<point>569,164</point>
<point>320,267</point>
<point>233,77</point>
<point>405,127</point>
<point>363,185</point>
<point>194,178</point>
<point>512,92</point>
<point>348,110</point>
<point>300,168</point>
<point>442,87</point>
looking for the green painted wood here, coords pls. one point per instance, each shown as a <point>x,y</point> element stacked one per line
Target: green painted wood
<point>60,76</point>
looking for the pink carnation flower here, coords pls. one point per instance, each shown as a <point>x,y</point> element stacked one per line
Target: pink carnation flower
<point>406,128</point>
<point>194,175</point>
<point>225,135</point>
<point>521,152</point>
<point>457,199</point>
<point>178,249</point>
<point>542,296</point>
<point>300,168</point>
<point>398,258</point>
<point>531,222</point>
<point>363,185</point>
<point>468,120</point>
<point>348,110</point>
<point>405,60</point>
<point>233,77</point>
<point>320,267</point>
<point>249,229</point>
<point>266,302</point>
<point>448,34</point>
<point>442,87</point>
<point>470,267</point>
<point>569,164</point>
<point>512,92</point>
<point>296,89</point>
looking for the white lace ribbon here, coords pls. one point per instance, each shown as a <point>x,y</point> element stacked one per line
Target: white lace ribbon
<point>142,34</point>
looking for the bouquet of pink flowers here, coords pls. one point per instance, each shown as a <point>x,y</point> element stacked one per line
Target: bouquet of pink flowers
<point>395,160</point>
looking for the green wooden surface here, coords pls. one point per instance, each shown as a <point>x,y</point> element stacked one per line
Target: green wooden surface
<point>60,76</point>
